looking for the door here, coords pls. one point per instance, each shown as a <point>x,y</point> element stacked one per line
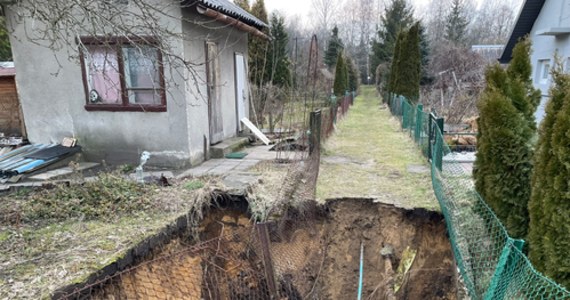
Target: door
<point>214,97</point>
<point>241,85</point>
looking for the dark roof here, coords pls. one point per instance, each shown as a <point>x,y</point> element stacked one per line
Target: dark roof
<point>527,17</point>
<point>232,10</point>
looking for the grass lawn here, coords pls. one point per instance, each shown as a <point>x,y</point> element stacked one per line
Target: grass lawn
<point>370,156</point>
<point>52,238</point>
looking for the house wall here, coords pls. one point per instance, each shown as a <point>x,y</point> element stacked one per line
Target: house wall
<point>53,98</point>
<point>553,14</point>
<point>230,41</point>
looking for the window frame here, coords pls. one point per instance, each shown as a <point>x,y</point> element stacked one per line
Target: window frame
<point>544,66</point>
<point>117,43</point>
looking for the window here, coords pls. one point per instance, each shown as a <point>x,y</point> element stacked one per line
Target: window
<point>122,75</point>
<point>544,69</point>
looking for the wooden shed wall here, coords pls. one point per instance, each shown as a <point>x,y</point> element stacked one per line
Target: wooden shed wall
<point>11,121</point>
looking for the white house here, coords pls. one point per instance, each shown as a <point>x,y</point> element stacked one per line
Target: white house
<point>547,22</point>
<point>121,95</point>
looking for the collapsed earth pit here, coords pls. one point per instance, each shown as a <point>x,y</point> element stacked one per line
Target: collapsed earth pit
<point>312,254</point>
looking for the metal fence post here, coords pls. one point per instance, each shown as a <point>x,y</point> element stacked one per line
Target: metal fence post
<point>439,142</point>
<point>334,108</point>
<point>430,136</point>
<point>263,233</point>
<point>315,131</point>
<point>503,271</point>
<point>419,122</point>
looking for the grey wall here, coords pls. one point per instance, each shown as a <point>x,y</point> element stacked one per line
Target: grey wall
<point>53,98</point>
<point>229,41</point>
<point>553,14</point>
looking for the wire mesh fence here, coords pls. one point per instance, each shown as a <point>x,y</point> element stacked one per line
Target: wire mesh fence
<point>245,261</point>
<point>491,263</point>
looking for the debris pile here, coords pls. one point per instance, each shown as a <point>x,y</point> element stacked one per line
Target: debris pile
<point>21,161</point>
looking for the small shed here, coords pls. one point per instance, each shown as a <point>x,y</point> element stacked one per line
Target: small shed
<point>11,120</point>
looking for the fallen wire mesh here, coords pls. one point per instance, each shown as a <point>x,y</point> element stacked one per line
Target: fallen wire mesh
<point>239,264</point>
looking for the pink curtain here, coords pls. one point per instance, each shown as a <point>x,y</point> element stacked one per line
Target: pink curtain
<point>104,73</point>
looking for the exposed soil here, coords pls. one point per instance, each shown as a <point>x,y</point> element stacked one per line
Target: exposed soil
<point>315,255</point>
<point>380,226</point>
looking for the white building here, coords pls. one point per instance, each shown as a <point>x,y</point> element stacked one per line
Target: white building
<point>547,23</point>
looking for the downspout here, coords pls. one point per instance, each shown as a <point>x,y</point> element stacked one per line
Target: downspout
<point>218,16</point>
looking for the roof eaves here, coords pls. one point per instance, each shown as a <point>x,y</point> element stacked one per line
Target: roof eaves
<point>527,16</point>
<point>230,9</point>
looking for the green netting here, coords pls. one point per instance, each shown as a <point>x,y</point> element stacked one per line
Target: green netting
<point>492,264</point>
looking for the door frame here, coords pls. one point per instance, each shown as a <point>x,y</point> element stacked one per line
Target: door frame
<point>239,128</point>
<point>214,137</point>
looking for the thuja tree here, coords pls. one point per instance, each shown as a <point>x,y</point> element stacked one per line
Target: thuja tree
<point>341,77</point>
<point>549,207</point>
<point>405,73</point>
<point>503,164</point>
<point>393,80</point>
<point>353,81</point>
<point>409,68</point>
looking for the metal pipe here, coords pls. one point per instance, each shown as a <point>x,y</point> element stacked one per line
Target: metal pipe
<point>361,275</point>
<point>231,21</point>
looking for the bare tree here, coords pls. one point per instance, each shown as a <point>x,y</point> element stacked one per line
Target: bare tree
<point>494,21</point>
<point>459,79</point>
<point>324,13</point>
<point>435,20</point>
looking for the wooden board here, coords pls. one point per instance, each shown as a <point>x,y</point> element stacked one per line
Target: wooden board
<point>255,131</point>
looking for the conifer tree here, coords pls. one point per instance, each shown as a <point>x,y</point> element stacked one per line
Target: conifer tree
<point>334,47</point>
<point>456,27</point>
<point>398,16</point>
<point>5,49</point>
<point>409,68</point>
<point>549,207</point>
<point>259,49</point>
<point>426,78</point>
<point>352,75</point>
<point>278,61</point>
<point>394,76</point>
<point>405,73</point>
<point>503,164</point>
<point>340,78</point>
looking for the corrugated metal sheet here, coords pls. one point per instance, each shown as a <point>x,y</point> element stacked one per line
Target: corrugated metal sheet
<point>21,161</point>
<point>529,12</point>
<point>230,9</point>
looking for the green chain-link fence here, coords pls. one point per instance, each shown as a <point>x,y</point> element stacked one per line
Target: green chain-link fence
<point>491,263</point>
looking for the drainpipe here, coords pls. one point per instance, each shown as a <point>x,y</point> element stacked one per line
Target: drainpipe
<point>218,16</point>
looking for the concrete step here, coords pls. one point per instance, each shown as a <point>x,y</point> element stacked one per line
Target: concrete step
<point>61,172</point>
<point>228,146</point>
